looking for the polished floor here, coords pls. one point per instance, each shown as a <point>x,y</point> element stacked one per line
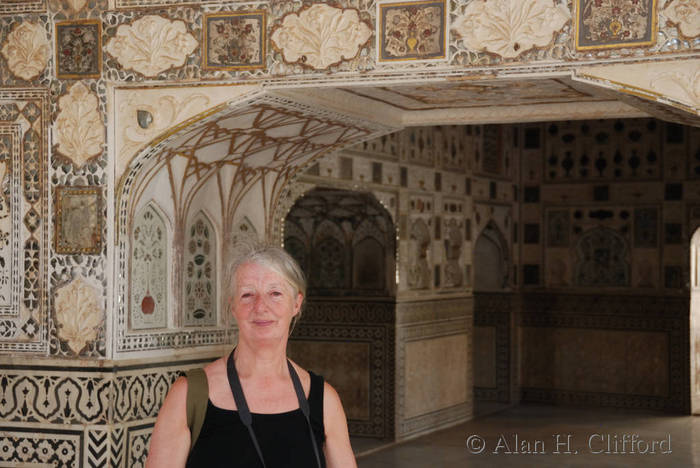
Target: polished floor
<point>532,435</point>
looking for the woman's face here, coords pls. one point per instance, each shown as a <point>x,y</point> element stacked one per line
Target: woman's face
<point>264,304</point>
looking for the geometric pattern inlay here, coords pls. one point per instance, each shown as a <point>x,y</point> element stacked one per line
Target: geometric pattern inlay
<point>23,230</point>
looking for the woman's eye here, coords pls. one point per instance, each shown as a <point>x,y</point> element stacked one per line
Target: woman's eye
<point>276,293</point>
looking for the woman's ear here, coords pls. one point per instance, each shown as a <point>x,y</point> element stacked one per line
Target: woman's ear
<point>298,303</point>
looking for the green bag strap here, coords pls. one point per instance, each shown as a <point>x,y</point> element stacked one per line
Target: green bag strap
<point>197,398</point>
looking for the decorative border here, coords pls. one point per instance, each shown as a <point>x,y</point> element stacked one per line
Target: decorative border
<point>263,40</point>
<point>99,49</point>
<point>495,310</point>
<point>35,195</point>
<point>64,248</point>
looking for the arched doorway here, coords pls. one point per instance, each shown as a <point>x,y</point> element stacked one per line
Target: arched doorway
<point>345,242</point>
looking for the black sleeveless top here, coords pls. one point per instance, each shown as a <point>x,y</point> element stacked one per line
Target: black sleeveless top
<point>283,437</point>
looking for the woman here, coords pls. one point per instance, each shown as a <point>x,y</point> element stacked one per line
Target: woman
<point>268,292</point>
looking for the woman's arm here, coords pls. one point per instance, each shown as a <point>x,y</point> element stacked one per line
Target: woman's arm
<point>337,447</point>
<point>170,441</point>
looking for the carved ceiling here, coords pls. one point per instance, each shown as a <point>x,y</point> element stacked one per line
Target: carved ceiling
<point>468,94</point>
<point>265,138</point>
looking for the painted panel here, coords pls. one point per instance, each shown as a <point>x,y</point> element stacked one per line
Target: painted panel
<point>615,23</point>
<point>411,31</point>
<point>234,41</point>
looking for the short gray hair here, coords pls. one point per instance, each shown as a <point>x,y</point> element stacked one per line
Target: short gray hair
<point>272,257</point>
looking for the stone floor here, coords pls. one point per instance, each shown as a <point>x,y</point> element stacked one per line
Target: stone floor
<point>586,437</point>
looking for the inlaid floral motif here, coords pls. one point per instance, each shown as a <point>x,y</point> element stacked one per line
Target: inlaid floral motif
<point>200,273</point>
<point>686,14</point>
<point>79,313</point>
<point>615,23</point>
<point>415,31</point>
<point>27,50</point>
<point>78,128</point>
<point>151,45</point>
<point>149,271</point>
<point>321,36</point>
<point>78,49</point>
<point>235,40</point>
<point>510,27</point>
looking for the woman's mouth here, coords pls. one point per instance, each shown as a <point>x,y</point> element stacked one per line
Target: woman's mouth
<point>263,323</point>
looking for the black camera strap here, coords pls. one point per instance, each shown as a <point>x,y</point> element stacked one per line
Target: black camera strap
<point>247,418</point>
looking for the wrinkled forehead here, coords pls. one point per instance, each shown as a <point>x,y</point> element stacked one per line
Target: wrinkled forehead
<point>255,273</point>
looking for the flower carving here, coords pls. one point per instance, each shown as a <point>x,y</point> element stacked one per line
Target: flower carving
<point>510,27</point>
<point>321,36</point>
<point>686,14</point>
<point>79,127</point>
<point>27,50</point>
<point>151,45</point>
<point>79,313</point>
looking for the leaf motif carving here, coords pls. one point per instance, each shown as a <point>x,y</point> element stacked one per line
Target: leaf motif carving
<point>79,313</point>
<point>79,127</point>
<point>151,45</point>
<point>321,36</point>
<point>27,50</point>
<point>686,14</point>
<point>510,27</point>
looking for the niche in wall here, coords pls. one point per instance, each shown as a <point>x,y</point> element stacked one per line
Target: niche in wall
<point>345,243</point>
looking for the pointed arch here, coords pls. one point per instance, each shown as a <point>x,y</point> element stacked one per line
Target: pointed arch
<point>199,301</point>
<point>148,293</point>
<point>491,259</point>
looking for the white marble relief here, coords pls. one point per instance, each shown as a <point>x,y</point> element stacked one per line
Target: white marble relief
<point>79,128</point>
<point>79,313</point>
<point>510,27</point>
<point>27,50</point>
<point>200,273</point>
<point>686,14</point>
<point>321,36</point>
<point>149,271</point>
<point>151,45</point>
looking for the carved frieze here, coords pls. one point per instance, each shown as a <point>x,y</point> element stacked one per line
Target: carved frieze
<point>510,27</point>
<point>79,313</point>
<point>79,129</point>
<point>686,14</point>
<point>321,36</point>
<point>27,50</point>
<point>151,45</point>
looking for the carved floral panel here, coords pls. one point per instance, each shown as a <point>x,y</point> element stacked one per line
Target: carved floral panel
<point>151,45</point>
<point>78,220</point>
<point>79,130</point>
<point>510,27</point>
<point>615,23</point>
<point>79,313</point>
<point>200,273</point>
<point>412,31</point>
<point>321,36</point>
<point>10,219</point>
<point>234,40</point>
<point>78,49</point>
<point>27,50</point>
<point>686,14</point>
<point>149,271</point>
